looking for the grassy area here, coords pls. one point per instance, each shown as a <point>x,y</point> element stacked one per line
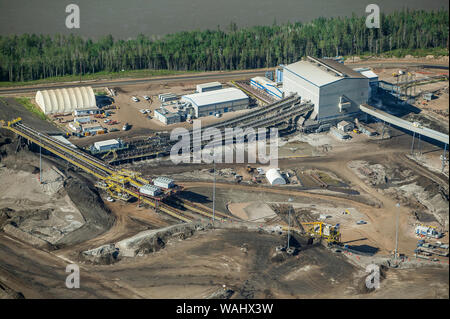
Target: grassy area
<point>327,179</point>
<point>97,76</point>
<point>26,102</point>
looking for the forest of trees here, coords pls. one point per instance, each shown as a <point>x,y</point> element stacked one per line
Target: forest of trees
<point>31,57</point>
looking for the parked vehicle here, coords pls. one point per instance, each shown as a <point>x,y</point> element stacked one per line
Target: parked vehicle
<point>135,99</point>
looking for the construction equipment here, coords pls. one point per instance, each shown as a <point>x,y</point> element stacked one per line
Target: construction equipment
<point>319,230</point>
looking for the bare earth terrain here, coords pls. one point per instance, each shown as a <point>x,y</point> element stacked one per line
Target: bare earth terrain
<point>126,251</point>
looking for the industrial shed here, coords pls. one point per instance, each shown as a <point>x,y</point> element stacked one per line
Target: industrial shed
<point>163,182</point>
<point>217,101</point>
<point>66,100</point>
<point>274,177</point>
<point>107,145</point>
<point>166,117</point>
<point>210,86</point>
<point>150,190</point>
<point>336,90</point>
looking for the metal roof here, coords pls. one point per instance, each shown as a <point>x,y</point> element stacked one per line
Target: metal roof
<point>106,143</point>
<point>215,97</point>
<point>151,188</point>
<point>209,84</point>
<point>340,67</point>
<point>263,80</point>
<point>368,73</point>
<point>166,113</point>
<point>312,73</point>
<point>163,180</point>
<point>322,73</point>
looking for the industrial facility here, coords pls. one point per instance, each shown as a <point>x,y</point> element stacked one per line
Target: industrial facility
<point>217,101</point>
<point>167,117</point>
<point>267,86</point>
<point>336,90</point>
<point>210,86</point>
<point>66,100</point>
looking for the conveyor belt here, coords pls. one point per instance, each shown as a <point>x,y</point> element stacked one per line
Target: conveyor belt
<point>438,136</point>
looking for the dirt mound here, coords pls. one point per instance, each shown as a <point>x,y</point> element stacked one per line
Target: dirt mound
<point>153,240</point>
<point>104,255</point>
<point>98,217</point>
<point>26,237</point>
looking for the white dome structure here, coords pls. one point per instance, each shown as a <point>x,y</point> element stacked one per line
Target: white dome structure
<point>66,100</point>
<point>274,177</point>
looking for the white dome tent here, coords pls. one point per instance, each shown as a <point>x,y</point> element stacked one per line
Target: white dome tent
<point>274,177</point>
<point>66,100</point>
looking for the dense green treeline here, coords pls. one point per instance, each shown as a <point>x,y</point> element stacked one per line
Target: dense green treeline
<point>31,57</point>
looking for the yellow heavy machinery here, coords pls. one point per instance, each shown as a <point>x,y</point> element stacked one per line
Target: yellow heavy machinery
<point>319,230</point>
<point>330,233</point>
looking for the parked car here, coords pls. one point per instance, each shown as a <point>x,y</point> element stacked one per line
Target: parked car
<point>361,222</point>
<point>110,199</point>
<point>146,97</point>
<point>135,99</point>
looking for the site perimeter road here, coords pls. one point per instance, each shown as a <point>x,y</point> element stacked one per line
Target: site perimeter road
<point>113,83</point>
<point>203,76</point>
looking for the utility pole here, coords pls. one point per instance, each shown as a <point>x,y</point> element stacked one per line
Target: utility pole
<point>289,224</point>
<point>40,160</point>
<point>396,230</point>
<point>214,188</point>
<point>444,157</point>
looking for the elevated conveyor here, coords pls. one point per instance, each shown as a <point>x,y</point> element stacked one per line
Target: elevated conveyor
<point>413,127</point>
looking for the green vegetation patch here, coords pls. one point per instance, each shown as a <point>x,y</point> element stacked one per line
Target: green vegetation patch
<point>26,102</point>
<point>103,75</point>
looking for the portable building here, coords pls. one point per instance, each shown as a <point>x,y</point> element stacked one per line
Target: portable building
<point>210,86</point>
<point>150,190</point>
<point>164,182</point>
<point>107,145</point>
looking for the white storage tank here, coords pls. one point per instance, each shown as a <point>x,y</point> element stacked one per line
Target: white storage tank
<point>150,190</point>
<point>274,177</point>
<point>164,182</point>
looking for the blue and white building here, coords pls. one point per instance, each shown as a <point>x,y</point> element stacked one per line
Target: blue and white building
<point>267,86</point>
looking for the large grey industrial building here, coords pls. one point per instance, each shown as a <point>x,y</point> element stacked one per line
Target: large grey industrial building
<point>217,101</point>
<point>336,90</point>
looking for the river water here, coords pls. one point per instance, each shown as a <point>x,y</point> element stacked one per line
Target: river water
<point>126,18</point>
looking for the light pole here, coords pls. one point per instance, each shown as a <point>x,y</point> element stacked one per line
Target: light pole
<point>214,186</point>
<point>40,160</point>
<point>396,230</point>
<point>289,223</point>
